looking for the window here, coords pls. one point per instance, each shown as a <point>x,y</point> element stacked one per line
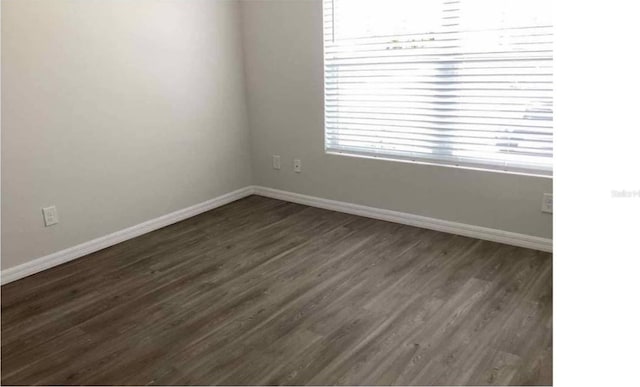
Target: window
<point>455,82</point>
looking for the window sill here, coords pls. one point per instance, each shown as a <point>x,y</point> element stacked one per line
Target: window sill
<point>437,164</point>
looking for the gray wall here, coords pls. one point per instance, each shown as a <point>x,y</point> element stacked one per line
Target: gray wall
<point>116,112</point>
<point>284,75</point>
<point>121,111</point>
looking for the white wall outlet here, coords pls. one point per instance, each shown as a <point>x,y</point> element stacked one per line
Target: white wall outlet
<point>276,161</point>
<point>297,165</point>
<point>50,216</point>
<point>547,203</point>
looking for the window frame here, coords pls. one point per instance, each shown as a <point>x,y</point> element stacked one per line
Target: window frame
<point>545,171</point>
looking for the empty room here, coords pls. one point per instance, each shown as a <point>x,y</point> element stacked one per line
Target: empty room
<point>282,192</point>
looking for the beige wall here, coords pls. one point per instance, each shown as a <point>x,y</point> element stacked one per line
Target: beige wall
<point>116,112</point>
<point>284,75</point>
<point>121,111</point>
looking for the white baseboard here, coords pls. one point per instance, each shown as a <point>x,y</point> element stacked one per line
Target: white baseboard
<point>57,258</point>
<point>490,234</point>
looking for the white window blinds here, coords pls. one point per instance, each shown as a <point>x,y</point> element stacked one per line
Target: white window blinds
<point>458,82</point>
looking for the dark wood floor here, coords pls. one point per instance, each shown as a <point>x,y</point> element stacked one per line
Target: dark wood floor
<point>268,292</point>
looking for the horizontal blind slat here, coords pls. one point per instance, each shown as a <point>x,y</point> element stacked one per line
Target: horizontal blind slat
<point>445,145</point>
<point>407,114</point>
<point>419,149</point>
<point>441,128</point>
<point>460,103</point>
<point>437,125</point>
<point>441,92</point>
<point>449,135</point>
<point>544,36</point>
<point>419,106</point>
<point>441,118</point>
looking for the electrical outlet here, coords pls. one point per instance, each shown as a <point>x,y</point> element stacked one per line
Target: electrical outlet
<point>50,215</point>
<point>276,162</point>
<point>547,203</point>
<point>297,165</point>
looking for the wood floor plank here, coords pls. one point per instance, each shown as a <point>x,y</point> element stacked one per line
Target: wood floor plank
<point>262,291</point>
